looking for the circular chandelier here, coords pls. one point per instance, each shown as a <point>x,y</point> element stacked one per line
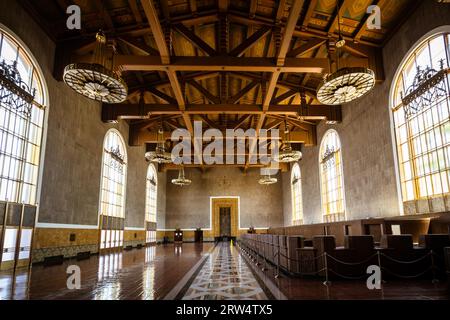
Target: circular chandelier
<point>160,155</point>
<point>267,180</point>
<point>345,85</point>
<point>94,80</point>
<point>287,154</point>
<point>182,181</point>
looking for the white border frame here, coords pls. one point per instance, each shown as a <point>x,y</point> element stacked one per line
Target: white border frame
<point>425,37</point>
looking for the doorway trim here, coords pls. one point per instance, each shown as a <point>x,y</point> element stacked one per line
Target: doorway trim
<point>235,203</point>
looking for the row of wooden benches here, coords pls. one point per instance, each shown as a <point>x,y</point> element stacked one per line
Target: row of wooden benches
<point>396,255</point>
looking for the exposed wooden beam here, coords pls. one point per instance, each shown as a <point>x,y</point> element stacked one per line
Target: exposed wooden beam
<point>280,11</point>
<point>194,39</point>
<point>208,95</point>
<point>162,84</point>
<point>104,14</point>
<point>304,32</point>
<point>243,92</point>
<point>281,58</point>
<point>284,96</point>
<point>162,95</point>
<point>307,47</point>
<point>343,4</point>
<point>241,121</point>
<point>224,64</point>
<point>210,123</point>
<point>135,9</point>
<point>114,112</point>
<point>158,34</point>
<point>251,41</point>
<point>141,47</point>
<point>193,6</point>
<point>144,136</point>
<point>311,8</point>
<point>363,24</point>
<point>253,8</point>
<point>223,5</point>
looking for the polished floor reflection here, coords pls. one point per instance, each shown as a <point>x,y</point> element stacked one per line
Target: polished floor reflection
<point>297,288</point>
<point>225,276</point>
<point>147,274</point>
<point>194,271</point>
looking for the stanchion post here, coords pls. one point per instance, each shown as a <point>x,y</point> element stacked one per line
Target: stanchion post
<point>257,252</point>
<point>379,266</point>
<point>435,280</point>
<point>264,268</point>
<point>327,281</point>
<point>278,264</point>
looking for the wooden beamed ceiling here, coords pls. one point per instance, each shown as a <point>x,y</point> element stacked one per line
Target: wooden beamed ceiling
<point>230,64</point>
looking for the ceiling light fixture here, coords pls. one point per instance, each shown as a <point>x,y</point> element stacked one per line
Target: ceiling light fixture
<point>160,155</point>
<point>287,154</point>
<point>267,180</point>
<point>94,80</point>
<point>182,181</point>
<point>346,84</point>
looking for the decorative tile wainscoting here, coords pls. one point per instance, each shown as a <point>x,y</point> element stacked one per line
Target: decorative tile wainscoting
<point>68,252</point>
<point>50,242</point>
<point>134,238</point>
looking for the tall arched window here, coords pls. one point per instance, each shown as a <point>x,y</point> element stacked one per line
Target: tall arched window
<point>331,173</point>
<point>114,175</point>
<point>421,108</point>
<point>152,186</point>
<point>297,204</point>
<point>112,195</point>
<point>22,110</point>
<point>151,203</point>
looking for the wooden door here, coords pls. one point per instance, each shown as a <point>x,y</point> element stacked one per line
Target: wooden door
<point>225,222</point>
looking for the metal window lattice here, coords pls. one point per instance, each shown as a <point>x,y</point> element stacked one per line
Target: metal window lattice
<point>329,158</point>
<point>14,93</point>
<point>21,119</point>
<point>422,123</point>
<point>428,86</point>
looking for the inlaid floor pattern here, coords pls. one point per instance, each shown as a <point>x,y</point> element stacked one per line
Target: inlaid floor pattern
<point>225,276</point>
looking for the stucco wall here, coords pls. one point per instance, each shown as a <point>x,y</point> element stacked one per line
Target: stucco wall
<point>365,133</point>
<point>189,207</point>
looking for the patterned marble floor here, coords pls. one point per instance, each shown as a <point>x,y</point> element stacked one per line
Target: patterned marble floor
<point>225,276</point>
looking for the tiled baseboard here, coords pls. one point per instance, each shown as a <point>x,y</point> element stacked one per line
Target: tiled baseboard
<point>134,243</point>
<point>68,252</point>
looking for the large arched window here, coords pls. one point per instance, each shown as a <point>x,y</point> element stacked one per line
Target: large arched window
<point>421,108</point>
<point>151,204</point>
<point>297,204</point>
<point>22,110</point>
<point>112,193</point>
<point>152,186</point>
<point>331,173</point>
<point>114,175</point>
